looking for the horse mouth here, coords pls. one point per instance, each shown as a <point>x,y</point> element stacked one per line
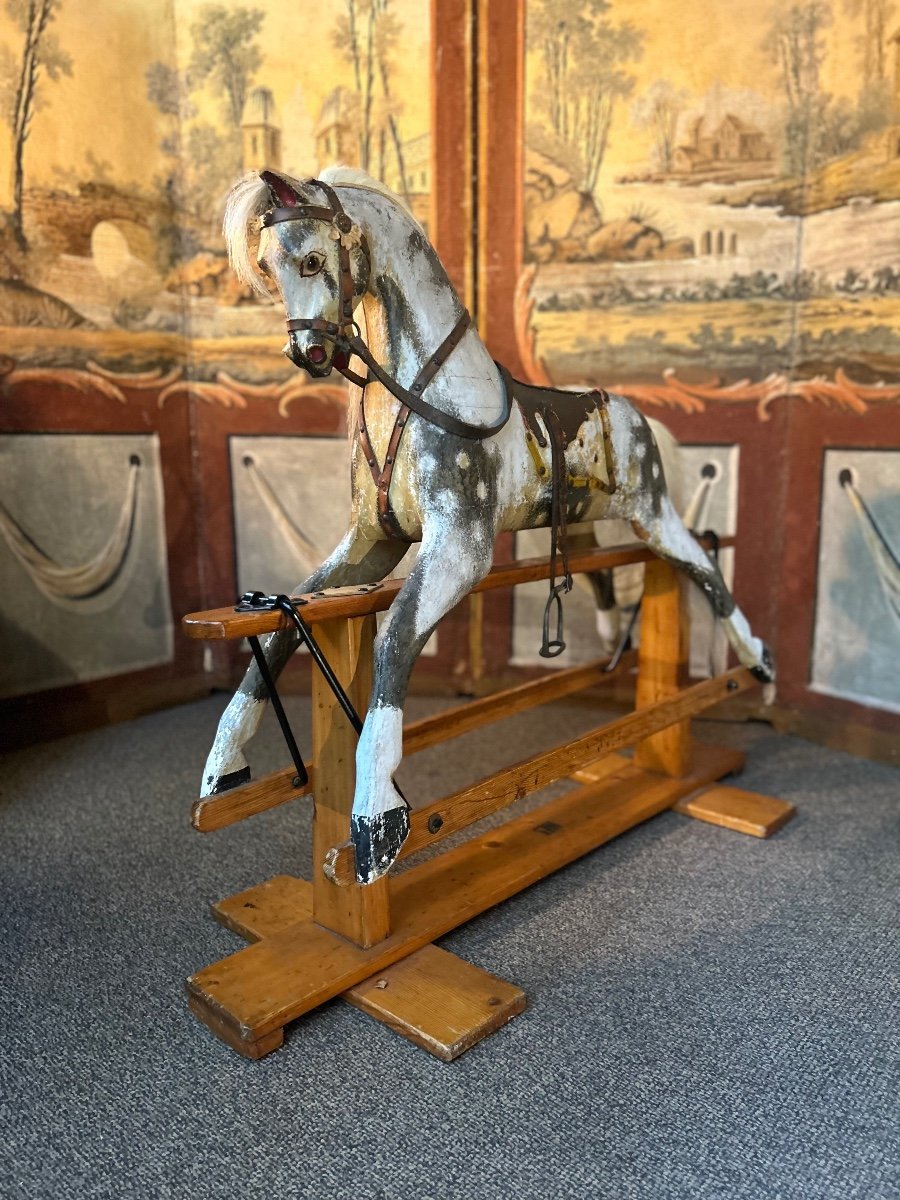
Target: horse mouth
<point>314,359</point>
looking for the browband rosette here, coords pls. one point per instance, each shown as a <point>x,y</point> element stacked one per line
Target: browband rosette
<point>344,231</point>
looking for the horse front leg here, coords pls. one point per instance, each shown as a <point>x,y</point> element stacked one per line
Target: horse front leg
<point>356,559</point>
<point>452,560</point>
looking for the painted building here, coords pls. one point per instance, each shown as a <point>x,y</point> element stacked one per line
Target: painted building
<point>260,131</point>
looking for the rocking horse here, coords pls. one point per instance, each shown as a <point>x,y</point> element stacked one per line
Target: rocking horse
<point>480,455</point>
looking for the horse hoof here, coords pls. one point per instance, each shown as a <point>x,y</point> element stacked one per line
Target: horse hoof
<point>764,671</point>
<point>226,782</point>
<point>377,841</point>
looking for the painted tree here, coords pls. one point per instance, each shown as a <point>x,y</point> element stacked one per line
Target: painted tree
<point>796,43</point>
<point>585,56</point>
<point>874,105</point>
<point>658,110</point>
<point>369,33</point>
<point>203,158</point>
<point>225,53</point>
<point>41,57</point>
<point>878,18</point>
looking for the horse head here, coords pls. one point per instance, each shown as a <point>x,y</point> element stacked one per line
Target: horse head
<point>315,254</point>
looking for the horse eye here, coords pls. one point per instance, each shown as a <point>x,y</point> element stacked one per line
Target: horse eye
<point>312,264</point>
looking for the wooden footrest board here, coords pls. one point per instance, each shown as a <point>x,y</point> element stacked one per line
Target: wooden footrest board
<point>261,988</point>
<point>439,1001</point>
<point>735,808</point>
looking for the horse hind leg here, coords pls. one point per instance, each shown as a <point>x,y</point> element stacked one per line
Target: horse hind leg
<point>667,536</point>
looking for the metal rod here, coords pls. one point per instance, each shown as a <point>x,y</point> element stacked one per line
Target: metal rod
<point>623,640</point>
<point>306,636</point>
<point>286,730</point>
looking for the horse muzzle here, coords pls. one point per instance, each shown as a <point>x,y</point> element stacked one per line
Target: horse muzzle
<point>310,354</point>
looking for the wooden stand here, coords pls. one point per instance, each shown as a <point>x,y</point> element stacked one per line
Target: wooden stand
<point>373,946</point>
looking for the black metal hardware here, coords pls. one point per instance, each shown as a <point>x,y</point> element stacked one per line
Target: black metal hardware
<point>287,606</point>
<point>551,647</point>
<point>624,639</point>
<point>288,733</point>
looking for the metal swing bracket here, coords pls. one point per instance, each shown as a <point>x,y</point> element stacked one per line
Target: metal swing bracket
<point>261,602</point>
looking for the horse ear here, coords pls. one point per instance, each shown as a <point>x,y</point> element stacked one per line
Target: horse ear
<point>282,192</point>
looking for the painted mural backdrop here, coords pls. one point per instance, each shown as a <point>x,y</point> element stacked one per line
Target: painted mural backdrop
<point>118,150</point>
<point>715,198</point>
<point>712,217</point>
<point>122,125</point>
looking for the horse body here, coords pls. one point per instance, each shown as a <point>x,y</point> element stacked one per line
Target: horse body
<point>451,493</point>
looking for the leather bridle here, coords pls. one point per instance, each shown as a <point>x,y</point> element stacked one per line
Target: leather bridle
<point>345,333</point>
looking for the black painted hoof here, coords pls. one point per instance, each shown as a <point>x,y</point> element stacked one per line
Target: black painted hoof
<point>377,841</point>
<point>765,672</point>
<point>232,780</point>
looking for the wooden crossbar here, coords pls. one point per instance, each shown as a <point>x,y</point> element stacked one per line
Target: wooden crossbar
<point>220,624</point>
<point>434,822</point>
<point>218,812</point>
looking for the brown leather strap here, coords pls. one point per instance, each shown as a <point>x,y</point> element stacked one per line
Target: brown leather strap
<point>386,515</point>
<point>297,212</point>
<point>559,499</point>
<point>421,407</point>
<point>440,356</point>
<point>382,476</point>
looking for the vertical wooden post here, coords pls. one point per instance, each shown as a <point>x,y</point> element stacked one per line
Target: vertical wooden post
<point>476,641</point>
<point>663,666</point>
<point>361,914</point>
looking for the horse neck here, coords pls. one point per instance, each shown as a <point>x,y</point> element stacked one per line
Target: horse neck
<point>410,305</point>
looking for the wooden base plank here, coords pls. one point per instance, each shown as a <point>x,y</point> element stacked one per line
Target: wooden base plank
<point>735,808</point>
<point>433,998</point>
<point>267,908</point>
<point>268,984</point>
<point>238,1039</point>
<point>438,1001</point>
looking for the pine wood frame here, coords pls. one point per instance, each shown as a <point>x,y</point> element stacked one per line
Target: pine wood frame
<point>328,937</point>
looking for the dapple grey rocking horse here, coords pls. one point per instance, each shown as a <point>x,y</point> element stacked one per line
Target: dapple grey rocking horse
<point>482,454</point>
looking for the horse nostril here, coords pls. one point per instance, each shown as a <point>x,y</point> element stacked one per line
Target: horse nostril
<point>316,354</point>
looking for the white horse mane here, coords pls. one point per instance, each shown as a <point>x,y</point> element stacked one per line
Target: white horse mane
<point>250,198</point>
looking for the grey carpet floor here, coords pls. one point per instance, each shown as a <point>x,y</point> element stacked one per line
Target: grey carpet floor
<point>710,1015</point>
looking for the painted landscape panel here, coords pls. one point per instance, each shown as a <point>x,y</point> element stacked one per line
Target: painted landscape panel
<point>118,151</point>
<point>715,195</point>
